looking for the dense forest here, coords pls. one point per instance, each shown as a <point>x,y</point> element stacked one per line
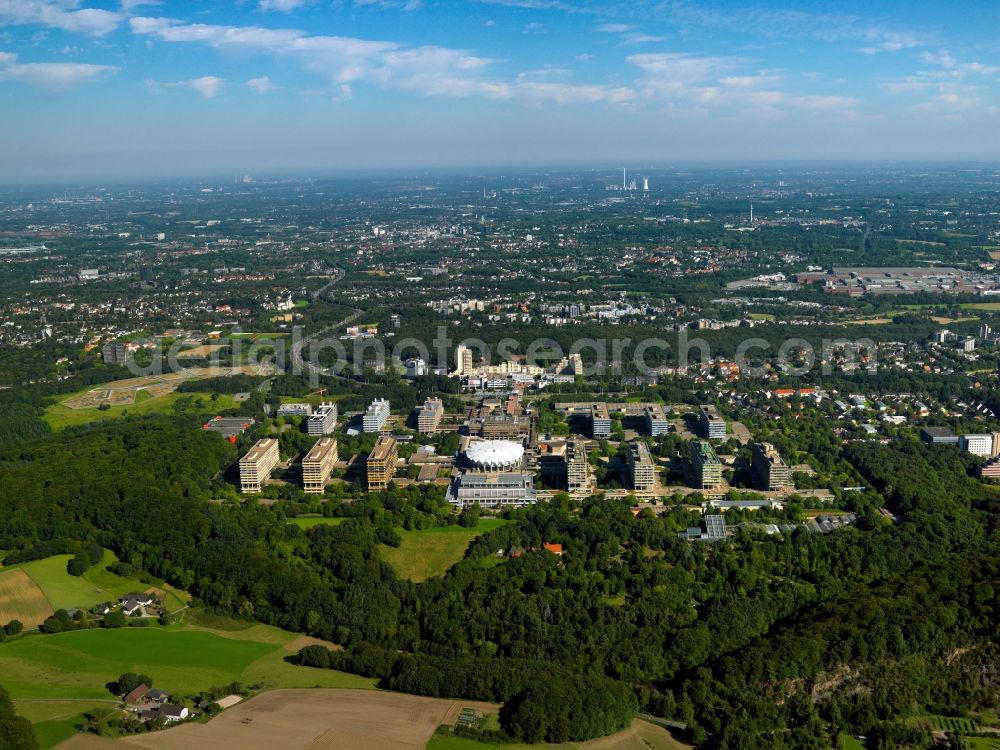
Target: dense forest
<point>761,641</point>
<point>16,732</point>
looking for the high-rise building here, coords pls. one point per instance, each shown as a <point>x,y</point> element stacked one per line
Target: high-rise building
<point>713,426</point>
<point>656,420</point>
<point>990,469</point>
<point>115,353</point>
<point>463,360</point>
<point>416,367</point>
<point>707,466</point>
<point>600,420</point>
<point>563,464</point>
<point>577,467</point>
<point>770,472</point>
<point>977,445</point>
<point>382,463</point>
<point>376,416</point>
<point>323,420</point>
<point>642,470</point>
<point>318,464</point>
<point>256,465</point>
<point>429,416</point>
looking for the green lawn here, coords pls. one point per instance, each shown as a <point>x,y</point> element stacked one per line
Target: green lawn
<point>54,679</point>
<point>78,664</point>
<point>307,522</point>
<point>60,417</point>
<point>95,586</point>
<point>848,742</point>
<point>431,552</point>
<point>55,721</point>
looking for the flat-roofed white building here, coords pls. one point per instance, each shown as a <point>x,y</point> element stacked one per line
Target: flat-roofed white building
<point>977,445</point>
<point>318,464</point>
<point>375,416</point>
<point>492,489</point>
<point>429,416</point>
<point>323,421</point>
<point>256,465</point>
<point>295,410</point>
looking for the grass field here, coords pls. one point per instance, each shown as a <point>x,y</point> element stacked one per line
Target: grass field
<point>21,599</point>
<point>983,743</point>
<point>97,585</point>
<point>54,679</point>
<point>307,522</point>
<point>60,417</point>
<point>848,742</point>
<point>431,552</point>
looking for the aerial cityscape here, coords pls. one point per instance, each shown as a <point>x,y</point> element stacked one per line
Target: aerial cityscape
<point>503,374</point>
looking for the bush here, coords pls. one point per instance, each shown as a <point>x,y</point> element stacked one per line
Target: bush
<point>14,627</point>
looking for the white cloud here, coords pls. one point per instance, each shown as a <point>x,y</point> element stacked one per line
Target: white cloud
<point>51,76</point>
<point>59,15</point>
<point>262,85</point>
<point>208,86</point>
<point>282,6</point>
<point>128,6</point>
<point>615,28</point>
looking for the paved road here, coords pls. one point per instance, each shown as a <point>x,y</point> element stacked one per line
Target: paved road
<point>338,275</point>
<point>299,363</point>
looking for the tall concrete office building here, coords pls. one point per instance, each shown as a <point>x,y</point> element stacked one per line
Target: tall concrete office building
<point>375,416</point>
<point>323,420</point>
<point>769,470</point>
<point>256,465</point>
<point>382,463</point>
<point>713,426</point>
<point>642,470</point>
<point>429,416</point>
<point>707,466</point>
<point>318,464</point>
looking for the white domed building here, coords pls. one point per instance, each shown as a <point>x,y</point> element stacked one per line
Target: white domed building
<point>495,455</point>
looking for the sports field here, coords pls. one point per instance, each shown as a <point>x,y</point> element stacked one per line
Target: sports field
<point>431,552</point>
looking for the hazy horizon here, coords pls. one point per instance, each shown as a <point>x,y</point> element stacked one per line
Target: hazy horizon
<point>142,88</point>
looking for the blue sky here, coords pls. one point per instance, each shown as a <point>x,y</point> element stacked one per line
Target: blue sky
<point>149,87</point>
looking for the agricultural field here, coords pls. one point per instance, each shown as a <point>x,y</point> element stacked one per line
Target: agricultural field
<point>640,736</point>
<point>21,599</point>
<point>97,585</point>
<point>54,679</point>
<point>307,522</point>
<point>948,724</point>
<point>300,719</point>
<point>431,552</point>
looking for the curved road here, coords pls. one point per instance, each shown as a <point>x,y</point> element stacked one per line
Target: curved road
<point>299,363</point>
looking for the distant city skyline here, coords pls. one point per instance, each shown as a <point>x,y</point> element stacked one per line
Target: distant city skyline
<point>149,88</point>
